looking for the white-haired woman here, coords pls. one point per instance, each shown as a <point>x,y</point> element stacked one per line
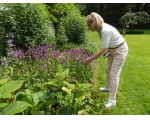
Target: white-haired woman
<point>114,47</point>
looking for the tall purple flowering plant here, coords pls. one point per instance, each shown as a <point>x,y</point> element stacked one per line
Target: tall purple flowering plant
<point>42,62</point>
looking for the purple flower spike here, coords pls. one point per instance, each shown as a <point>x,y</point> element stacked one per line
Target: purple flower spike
<point>56,53</point>
<point>63,60</point>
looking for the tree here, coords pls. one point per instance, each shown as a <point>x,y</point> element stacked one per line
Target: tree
<point>134,18</point>
<point>112,12</point>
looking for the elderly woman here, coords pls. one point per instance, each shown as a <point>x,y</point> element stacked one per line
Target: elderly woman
<point>114,47</point>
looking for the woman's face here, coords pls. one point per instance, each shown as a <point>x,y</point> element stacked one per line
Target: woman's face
<point>90,25</point>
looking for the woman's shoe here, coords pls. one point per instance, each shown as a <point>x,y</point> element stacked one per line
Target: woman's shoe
<point>110,103</point>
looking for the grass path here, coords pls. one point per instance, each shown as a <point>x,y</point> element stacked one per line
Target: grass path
<point>133,97</point>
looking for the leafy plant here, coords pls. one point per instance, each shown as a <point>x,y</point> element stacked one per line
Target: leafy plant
<point>76,32</point>
<point>134,18</point>
<point>28,22</point>
<point>9,87</point>
<point>15,107</point>
<point>59,11</point>
<point>55,82</point>
<point>7,90</point>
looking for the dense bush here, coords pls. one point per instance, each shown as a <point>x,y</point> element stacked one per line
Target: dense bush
<point>134,19</point>
<point>28,22</point>
<point>59,11</point>
<point>61,38</point>
<point>63,17</point>
<point>75,28</point>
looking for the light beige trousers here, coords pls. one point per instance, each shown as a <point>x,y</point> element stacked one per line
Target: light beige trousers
<point>113,68</point>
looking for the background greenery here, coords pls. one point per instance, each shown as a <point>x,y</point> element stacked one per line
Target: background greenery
<point>112,12</point>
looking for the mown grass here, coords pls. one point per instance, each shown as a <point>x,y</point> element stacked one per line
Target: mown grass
<point>133,97</point>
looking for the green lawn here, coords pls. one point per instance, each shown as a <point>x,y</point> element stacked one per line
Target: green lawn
<point>133,97</point>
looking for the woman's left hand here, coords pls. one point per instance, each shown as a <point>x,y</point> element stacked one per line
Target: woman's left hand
<point>87,61</point>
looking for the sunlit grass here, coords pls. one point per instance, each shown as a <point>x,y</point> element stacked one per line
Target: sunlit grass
<point>133,96</point>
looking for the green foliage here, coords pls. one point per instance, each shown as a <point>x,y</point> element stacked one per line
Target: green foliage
<point>2,81</point>
<point>15,107</point>
<point>134,18</point>
<point>60,76</point>
<point>112,12</point>
<point>50,86</point>
<point>3,104</point>
<point>73,97</point>
<point>129,18</point>
<point>75,28</point>
<point>61,10</point>
<point>9,87</point>
<point>28,22</point>
<point>142,17</point>
<point>63,34</point>
<point>61,38</point>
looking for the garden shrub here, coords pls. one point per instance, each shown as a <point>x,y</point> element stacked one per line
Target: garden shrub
<point>75,28</point>
<point>61,38</point>
<point>28,22</point>
<point>59,11</point>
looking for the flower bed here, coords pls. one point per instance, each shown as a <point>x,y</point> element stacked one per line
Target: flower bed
<point>50,82</point>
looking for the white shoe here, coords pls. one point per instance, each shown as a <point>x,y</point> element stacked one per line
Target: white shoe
<point>104,89</point>
<point>110,103</point>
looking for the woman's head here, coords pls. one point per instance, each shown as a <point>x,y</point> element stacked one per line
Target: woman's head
<point>94,21</point>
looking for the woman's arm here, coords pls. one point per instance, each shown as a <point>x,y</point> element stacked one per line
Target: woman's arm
<point>98,54</point>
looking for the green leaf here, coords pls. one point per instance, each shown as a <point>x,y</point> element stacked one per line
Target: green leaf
<point>64,111</point>
<point>68,91</point>
<point>20,95</point>
<point>9,95</point>
<point>2,81</point>
<point>8,88</point>
<point>35,110</point>
<point>38,96</point>
<point>71,86</point>
<point>28,99</point>
<point>53,83</point>
<point>28,92</point>
<point>81,96</point>
<point>15,107</point>
<point>11,71</point>
<point>3,104</point>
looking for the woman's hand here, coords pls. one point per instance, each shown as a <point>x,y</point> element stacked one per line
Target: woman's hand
<point>98,54</point>
<point>87,61</point>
